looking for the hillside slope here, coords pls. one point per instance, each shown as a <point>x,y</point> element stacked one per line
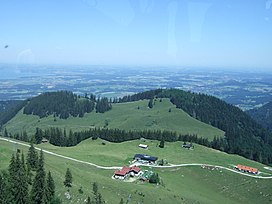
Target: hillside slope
<point>128,116</point>
<point>180,185</point>
<point>244,136</point>
<point>262,115</point>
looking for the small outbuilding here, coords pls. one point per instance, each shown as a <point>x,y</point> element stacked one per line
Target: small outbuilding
<point>44,140</point>
<point>143,146</point>
<point>188,146</point>
<point>145,158</point>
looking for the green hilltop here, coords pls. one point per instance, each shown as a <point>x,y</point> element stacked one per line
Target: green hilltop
<point>128,116</point>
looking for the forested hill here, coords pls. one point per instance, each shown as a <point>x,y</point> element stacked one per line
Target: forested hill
<point>263,115</point>
<point>8,109</point>
<point>64,103</point>
<point>6,105</point>
<point>244,136</point>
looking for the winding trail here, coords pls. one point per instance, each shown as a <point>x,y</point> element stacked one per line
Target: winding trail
<point>61,156</point>
<point>215,166</point>
<point>138,164</point>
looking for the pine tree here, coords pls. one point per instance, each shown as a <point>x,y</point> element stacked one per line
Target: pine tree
<point>29,174</point>
<point>4,191</point>
<point>2,188</point>
<point>21,185</point>
<point>12,167</point>
<point>89,200</point>
<point>12,177</point>
<point>99,199</point>
<point>95,192</point>
<point>150,103</point>
<point>38,193</point>
<point>68,179</point>
<point>50,187</point>
<point>32,157</point>
<point>38,136</point>
<point>162,143</point>
<point>6,133</point>
<point>154,178</point>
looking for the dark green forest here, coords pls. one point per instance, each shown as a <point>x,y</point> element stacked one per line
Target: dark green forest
<point>63,104</point>
<point>60,137</point>
<point>263,115</point>
<point>5,105</point>
<point>9,109</point>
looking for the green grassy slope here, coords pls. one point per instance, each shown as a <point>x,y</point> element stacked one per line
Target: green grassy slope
<point>118,154</point>
<point>181,185</point>
<point>123,116</point>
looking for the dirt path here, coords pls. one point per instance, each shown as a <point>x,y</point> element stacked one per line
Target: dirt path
<point>138,164</point>
<point>215,166</point>
<point>61,156</point>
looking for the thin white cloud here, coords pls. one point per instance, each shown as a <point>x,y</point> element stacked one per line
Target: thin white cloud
<point>26,57</point>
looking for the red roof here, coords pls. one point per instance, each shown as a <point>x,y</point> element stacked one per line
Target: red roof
<point>247,168</point>
<point>135,169</point>
<point>125,170</point>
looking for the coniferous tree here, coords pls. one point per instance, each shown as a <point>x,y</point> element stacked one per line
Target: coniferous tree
<point>4,190</point>
<point>154,178</point>
<point>38,191</point>
<point>50,187</point>
<point>6,133</point>
<point>122,201</point>
<point>29,174</point>
<point>100,199</point>
<point>161,143</point>
<point>21,184</point>
<point>32,157</point>
<point>38,136</point>
<point>95,192</point>
<point>12,177</point>
<point>68,179</point>
<point>89,200</point>
<point>150,103</point>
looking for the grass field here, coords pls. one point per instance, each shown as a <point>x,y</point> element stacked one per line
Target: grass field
<point>180,185</point>
<point>125,116</point>
<point>93,151</point>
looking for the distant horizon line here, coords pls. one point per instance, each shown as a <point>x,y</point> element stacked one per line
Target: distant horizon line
<point>158,66</point>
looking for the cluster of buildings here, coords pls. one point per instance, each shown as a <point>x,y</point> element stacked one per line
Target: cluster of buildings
<point>126,172</point>
<point>135,171</point>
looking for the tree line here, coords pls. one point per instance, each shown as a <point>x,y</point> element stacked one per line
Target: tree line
<point>63,104</point>
<point>61,137</point>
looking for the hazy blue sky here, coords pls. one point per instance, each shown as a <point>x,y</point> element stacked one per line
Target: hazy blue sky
<point>205,33</point>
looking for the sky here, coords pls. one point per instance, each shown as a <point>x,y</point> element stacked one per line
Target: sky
<point>196,33</point>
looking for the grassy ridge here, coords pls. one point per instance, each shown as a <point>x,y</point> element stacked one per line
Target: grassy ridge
<point>125,116</point>
<point>93,151</point>
<point>182,185</point>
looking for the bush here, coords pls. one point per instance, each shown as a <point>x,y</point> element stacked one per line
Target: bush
<point>154,178</point>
